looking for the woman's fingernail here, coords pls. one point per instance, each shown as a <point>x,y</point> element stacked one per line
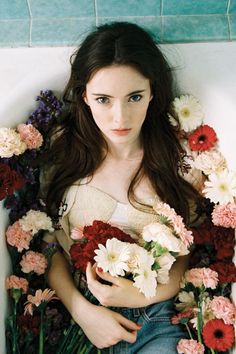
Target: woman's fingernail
<point>99,269</point>
<point>139,325</point>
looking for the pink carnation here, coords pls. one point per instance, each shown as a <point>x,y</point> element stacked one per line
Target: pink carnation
<point>30,135</point>
<point>176,220</point>
<point>223,309</point>
<point>202,277</point>
<point>224,215</point>
<point>14,282</point>
<point>33,262</point>
<point>17,237</point>
<point>190,346</point>
<point>77,233</point>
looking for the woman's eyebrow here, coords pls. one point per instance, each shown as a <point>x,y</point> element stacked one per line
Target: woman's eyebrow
<point>129,94</point>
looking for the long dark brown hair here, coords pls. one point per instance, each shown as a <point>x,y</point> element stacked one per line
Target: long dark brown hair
<point>78,148</point>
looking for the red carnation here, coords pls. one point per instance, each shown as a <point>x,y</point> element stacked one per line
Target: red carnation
<point>217,335</point>
<point>224,242</point>
<point>226,271</point>
<point>93,235</point>
<point>202,139</point>
<point>10,181</point>
<point>204,234</point>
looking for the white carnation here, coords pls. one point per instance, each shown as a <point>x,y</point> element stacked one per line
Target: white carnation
<point>189,112</point>
<point>210,161</point>
<point>163,236</point>
<point>36,220</point>
<point>145,281</point>
<point>11,143</point>
<point>165,261</point>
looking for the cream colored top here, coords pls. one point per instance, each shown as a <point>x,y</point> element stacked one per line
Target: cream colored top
<point>84,203</point>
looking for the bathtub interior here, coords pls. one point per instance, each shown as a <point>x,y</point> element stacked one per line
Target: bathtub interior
<point>205,70</point>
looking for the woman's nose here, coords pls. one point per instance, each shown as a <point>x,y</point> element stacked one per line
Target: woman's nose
<point>120,114</point>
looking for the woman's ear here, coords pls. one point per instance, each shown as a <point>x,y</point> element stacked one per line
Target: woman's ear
<point>85,98</point>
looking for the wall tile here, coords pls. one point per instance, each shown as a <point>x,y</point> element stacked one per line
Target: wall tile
<point>195,28</point>
<point>232,22</point>
<point>194,7</point>
<point>14,33</point>
<point>151,24</point>
<point>113,8</point>
<point>60,31</point>
<point>61,8</point>
<point>232,8</point>
<point>14,9</point>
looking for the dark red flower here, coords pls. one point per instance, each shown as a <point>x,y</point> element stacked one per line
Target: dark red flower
<point>99,232</point>
<point>28,323</point>
<point>204,233</point>
<point>202,139</point>
<point>217,335</point>
<point>224,242</point>
<point>226,271</point>
<point>10,181</point>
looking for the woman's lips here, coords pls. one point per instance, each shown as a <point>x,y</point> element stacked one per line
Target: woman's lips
<point>121,131</point>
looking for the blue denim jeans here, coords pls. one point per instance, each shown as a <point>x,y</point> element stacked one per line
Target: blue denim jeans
<point>157,335</point>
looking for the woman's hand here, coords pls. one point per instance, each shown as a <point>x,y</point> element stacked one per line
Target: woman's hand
<point>104,327</point>
<point>121,292</point>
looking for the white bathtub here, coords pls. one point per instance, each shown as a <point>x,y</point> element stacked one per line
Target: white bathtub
<point>206,70</point>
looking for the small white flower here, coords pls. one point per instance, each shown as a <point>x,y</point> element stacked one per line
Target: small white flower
<point>11,143</point>
<point>36,220</point>
<point>113,257</point>
<point>145,281</point>
<point>139,256</point>
<point>221,187</point>
<point>210,161</point>
<point>189,112</point>
<point>165,261</point>
<point>162,235</point>
<point>187,301</point>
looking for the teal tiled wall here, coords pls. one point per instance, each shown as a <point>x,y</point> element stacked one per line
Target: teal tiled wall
<point>66,22</point>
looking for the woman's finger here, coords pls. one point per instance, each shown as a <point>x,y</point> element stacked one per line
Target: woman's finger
<point>107,276</point>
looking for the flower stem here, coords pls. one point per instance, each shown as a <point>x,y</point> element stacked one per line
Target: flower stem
<point>41,333</point>
<point>14,329</point>
<point>189,332</point>
<point>199,316</point>
<point>212,351</point>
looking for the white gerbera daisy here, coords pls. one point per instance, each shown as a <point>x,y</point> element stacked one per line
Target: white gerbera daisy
<point>114,257</point>
<point>189,112</point>
<point>221,187</point>
<point>145,281</point>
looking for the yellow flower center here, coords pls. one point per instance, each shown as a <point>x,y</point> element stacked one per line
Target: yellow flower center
<point>185,112</point>
<point>223,187</point>
<point>112,257</point>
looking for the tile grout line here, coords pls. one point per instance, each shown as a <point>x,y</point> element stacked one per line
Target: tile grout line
<point>96,12</point>
<point>228,6</point>
<point>30,29</point>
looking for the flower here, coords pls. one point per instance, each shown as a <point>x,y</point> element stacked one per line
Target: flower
<point>176,222</point>
<point>217,335</point>
<point>36,220</point>
<point>210,161</point>
<point>202,277</point>
<point>221,187</point>
<point>30,135</point>
<point>34,262</point>
<point>224,242</point>
<point>187,300</point>
<point>76,233</point>
<point>202,139</point>
<point>190,346</point>
<point>11,143</point>
<point>182,316</point>
<point>145,280</point>
<point>40,296</point>
<point>17,237</point>
<point>226,271</point>
<point>161,234</point>
<point>224,215</point>
<point>113,257</point>
<point>10,181</point>
<point>189,112</point>
<point>14,282</point>
<point>165,261</point>
<point>223,309</point>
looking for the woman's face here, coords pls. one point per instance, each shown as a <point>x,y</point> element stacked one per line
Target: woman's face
<point>118,96</point>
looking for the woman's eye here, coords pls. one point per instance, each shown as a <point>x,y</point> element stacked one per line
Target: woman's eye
<point>135,98</point>
<point>102,100</point>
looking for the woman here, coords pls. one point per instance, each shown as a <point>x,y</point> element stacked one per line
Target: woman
<point>114,154</point>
